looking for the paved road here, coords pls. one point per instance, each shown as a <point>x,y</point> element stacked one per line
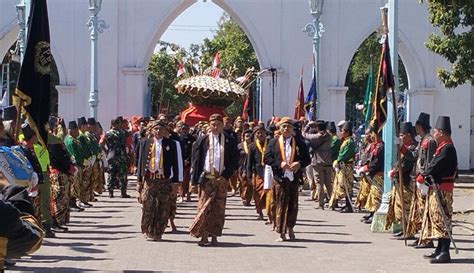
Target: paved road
<point>107,238</point>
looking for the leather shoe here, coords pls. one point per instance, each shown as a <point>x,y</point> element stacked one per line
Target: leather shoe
<point>442,258</point>
<point>49,234</point>
<point>428,245</point>
<point>398,234</point>
<point>367,221</point>
<point>125,196</point>
<point>346,209</point>
<point>431,255</point>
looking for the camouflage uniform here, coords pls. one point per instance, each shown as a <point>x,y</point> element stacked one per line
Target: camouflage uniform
<point>117,160</point>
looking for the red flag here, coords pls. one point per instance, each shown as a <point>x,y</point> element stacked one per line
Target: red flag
<point>216,61</point>
<point>216,73</point>
<point>299,106</point>
<point>181,70</point>
<point>245,108</point>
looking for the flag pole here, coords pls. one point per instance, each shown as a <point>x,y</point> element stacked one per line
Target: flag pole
<point>390,26</point>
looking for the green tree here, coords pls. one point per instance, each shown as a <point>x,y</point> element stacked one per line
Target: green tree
<point>455,20</point>
<point>162,72</point>
<point>356,78</point>
<point>236,54</point>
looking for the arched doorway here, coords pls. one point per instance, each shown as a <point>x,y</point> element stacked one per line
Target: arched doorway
<point>226,37</point>
<point>365,62</point>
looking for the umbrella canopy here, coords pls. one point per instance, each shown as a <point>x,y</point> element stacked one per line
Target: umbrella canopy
<point>208,87</point>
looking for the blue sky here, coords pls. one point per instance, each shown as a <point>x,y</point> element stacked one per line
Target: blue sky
<point>194,24</point>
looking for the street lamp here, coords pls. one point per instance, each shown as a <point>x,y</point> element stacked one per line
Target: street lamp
<point>315,30</point>
<point>21,16</point>
<point>96,26</point>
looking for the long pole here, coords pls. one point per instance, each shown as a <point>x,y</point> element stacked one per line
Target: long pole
<point>315,30</point>
<point>96,26</point>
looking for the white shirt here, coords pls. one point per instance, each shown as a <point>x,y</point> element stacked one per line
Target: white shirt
<point>288,174</point>
<point>158,149</point>
<point>216,154</point>
<point>179,157</point>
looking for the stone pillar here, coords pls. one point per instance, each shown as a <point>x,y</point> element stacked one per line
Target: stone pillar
<point>421,100</point>
<point>67,101</point>
<point>334,107</point>
<point>135,89</point>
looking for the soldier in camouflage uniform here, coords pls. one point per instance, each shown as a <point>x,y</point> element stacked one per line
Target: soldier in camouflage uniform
<point>114,144</point>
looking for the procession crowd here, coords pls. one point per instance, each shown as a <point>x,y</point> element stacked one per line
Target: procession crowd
<point>267,164</point>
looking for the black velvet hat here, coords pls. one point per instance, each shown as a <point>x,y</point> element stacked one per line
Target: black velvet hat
<point>72,125</point>
<point>81,121</point>
<point>321,125</point>
<point>91,121</point>
<point>53,121</point>
<point>27,131</point>
<point>332,127</point>
<point>406,128</point>
<point>423,120</point>
<point>9,113</point>
<point>443,123</point>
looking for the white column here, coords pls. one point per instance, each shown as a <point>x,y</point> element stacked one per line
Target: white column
<point>67,102</point>
<point>335,108</point>
<point>135,90</point>
<point>421,100</point>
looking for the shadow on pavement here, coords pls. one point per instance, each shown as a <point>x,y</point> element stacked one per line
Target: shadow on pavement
<point>94,217</point>
<point>312,221</point>
<point>462,261</point>
<point>98,238</point>
<point>318,225</point>
<point>323,232</point>
<point>238,235</point>
<point>336,242</point>
<point>57,258</point>
<point>50,270</point>
<point>100,232</point>
<point>237,245</point>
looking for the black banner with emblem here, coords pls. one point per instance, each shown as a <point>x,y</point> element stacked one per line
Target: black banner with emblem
<point>32,93</point>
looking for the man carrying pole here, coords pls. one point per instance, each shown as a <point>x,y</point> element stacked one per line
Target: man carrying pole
<point>440,175</point>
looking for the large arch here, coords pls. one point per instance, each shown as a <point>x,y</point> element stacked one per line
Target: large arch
<point>411,60</point>
<point>162,25</point>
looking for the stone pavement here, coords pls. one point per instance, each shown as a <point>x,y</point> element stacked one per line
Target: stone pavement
<point>107,238</point>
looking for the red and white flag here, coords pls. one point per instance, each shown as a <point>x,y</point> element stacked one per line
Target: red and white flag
<point>181,70</point>
<point>216,61</point>
<point>242,79</point>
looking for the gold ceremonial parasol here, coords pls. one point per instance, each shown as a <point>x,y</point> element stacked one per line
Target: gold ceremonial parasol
<point>207,90</point>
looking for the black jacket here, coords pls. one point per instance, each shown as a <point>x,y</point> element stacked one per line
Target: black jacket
<point>254,162</point>
<point>443,167</point>
<point>201,147</point>
<point>273,158</point>
<point>170,161</point>
<point>59,158</point>
<point>187,141</point>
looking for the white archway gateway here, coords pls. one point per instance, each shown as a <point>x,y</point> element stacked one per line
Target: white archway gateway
<point>275,29</point>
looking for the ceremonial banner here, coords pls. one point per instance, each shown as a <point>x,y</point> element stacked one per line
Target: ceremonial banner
<point>309,104</point>
<point>32,94</point>
<point>299,106</point>
<point>385,82</point>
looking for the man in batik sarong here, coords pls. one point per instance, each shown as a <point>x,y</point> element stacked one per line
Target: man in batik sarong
<point>288,156</point>
<point>213,163</point>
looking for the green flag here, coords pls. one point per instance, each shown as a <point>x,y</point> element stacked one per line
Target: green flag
<point>369,91</point>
